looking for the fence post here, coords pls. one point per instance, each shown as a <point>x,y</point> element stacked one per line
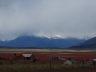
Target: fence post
<point>50,62</point>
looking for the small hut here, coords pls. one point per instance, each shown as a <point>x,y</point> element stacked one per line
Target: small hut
<point>69,62</point>
<point>26,56</point>
<point>91,62</point>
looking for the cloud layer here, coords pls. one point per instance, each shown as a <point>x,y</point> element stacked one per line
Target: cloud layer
<point>49,18</point>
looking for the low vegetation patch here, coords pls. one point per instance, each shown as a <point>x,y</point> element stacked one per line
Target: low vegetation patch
<point>41,66</point>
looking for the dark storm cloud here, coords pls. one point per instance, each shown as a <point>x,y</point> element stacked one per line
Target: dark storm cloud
<point>50,18</point>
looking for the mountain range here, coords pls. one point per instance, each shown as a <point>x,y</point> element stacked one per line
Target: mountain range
<point>41,42</point>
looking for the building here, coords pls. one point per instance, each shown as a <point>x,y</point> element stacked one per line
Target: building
<point>25,56</point>
<point>69,62</point>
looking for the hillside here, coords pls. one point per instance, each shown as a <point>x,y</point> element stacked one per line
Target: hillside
<point>89,44</point>
<point>33,41</point>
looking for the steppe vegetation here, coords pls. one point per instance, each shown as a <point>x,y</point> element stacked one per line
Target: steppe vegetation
<point>41,66</point>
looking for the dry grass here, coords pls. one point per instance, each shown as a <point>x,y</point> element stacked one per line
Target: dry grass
<point>44,50</point>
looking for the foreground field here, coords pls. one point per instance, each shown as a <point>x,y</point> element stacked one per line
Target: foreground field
<point>43,65</point>
<point>44,69</point>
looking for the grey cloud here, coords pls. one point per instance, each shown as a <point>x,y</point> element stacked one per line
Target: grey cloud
<point>61,18</point>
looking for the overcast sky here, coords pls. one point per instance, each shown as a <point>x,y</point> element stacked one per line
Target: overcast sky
<point>49,18</point>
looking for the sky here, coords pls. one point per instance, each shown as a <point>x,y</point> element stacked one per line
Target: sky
<point>48,18</point>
